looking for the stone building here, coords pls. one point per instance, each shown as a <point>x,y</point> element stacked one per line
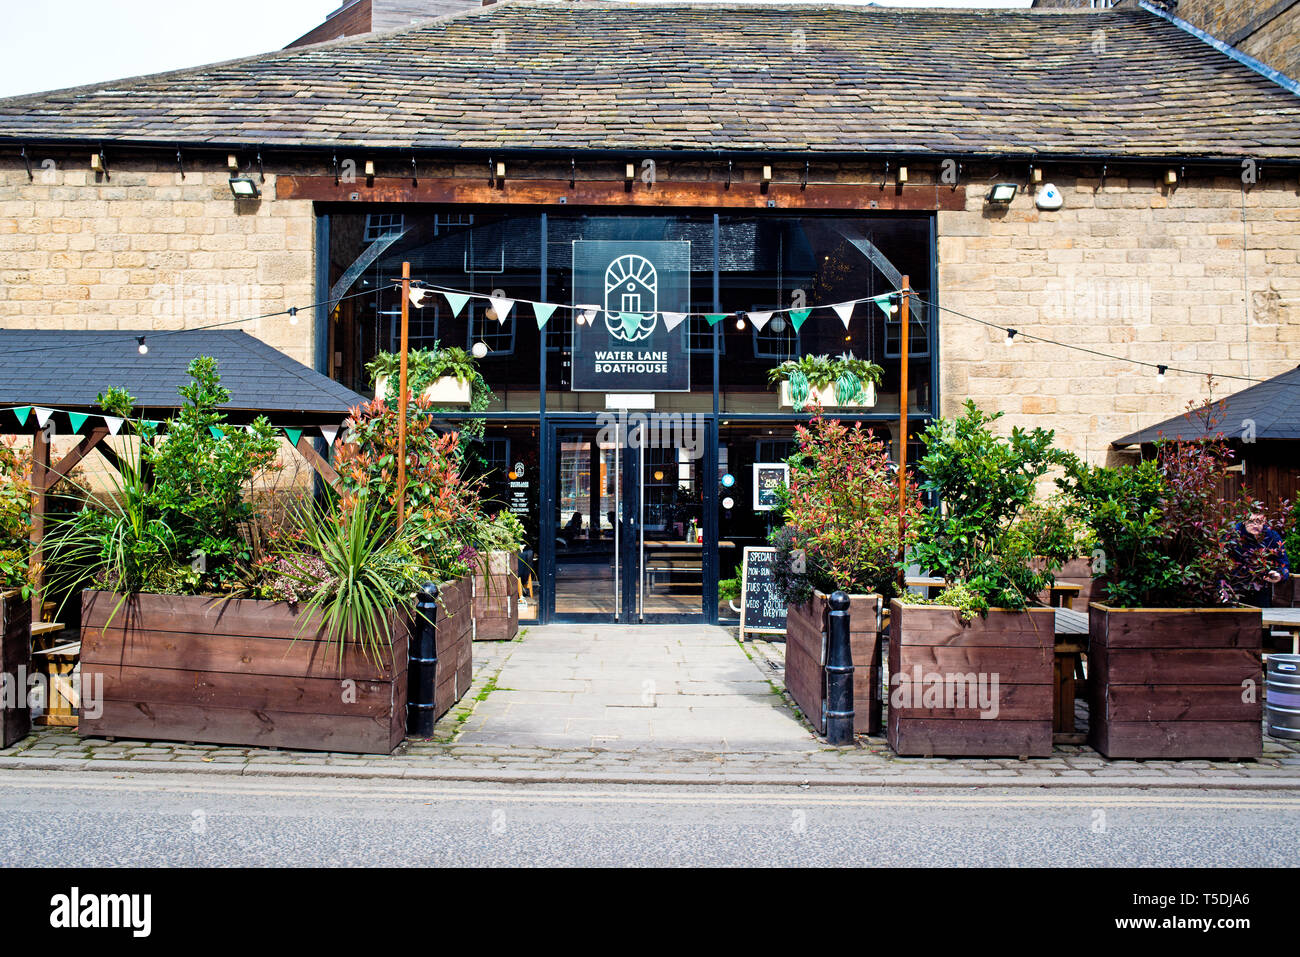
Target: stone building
<point>1115,190</point>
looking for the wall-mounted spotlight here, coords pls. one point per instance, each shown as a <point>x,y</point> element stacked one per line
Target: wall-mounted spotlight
<point>243,187</point>
<point>1171,177</point>
<point>902,175</point>
<point>500,170</point>
<point>370,169</point>
<point>767,174</point>
<point>1002,194</point>
<point>97,162</point>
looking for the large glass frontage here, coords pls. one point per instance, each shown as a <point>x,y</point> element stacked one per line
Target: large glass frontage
<point>635,515</point>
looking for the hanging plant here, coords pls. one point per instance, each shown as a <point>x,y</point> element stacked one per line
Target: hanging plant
<point>848,375</point>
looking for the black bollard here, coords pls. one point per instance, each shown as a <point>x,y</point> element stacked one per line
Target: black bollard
<point>839,673</point>
<point>423,670</point>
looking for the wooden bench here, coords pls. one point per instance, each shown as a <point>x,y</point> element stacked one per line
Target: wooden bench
<point>1067,673</point>
<point>61,662</point>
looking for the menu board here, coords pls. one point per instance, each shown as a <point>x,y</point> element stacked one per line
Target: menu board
<point>768,476</point>
<point>762,609</point>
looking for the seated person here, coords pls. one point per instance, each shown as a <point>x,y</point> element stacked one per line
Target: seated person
<point>572,529</point>
<point>1258,542</point>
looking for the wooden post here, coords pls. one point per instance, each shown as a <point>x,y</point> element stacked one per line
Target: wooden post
<point>401,397</point>
<point>40,502</point>
<point>905,322</point>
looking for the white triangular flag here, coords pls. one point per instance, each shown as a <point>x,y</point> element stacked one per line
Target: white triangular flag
<point>759,319</point>
<point>501,307</point>
<point>845,311</point>
<point>42,415</point>
<point>673,319</point>
<point>114,424</point>
<point>329,433</point>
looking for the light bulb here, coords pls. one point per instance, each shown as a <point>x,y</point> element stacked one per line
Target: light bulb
<point>778,325</point>
<point>740,324</point>
<point>1160,373</point>
<point>480,350</point>
<point>1011,337</point>
<point>143,349</point>
<point>293,315</point>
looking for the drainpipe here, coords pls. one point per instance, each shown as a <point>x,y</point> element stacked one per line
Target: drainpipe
<point>839,674</point>
<point>423,667</point>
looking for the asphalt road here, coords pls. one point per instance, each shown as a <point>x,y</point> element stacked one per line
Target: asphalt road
<point>97,820</point>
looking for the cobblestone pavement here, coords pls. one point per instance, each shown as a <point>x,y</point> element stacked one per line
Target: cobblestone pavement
<point>467,748</point>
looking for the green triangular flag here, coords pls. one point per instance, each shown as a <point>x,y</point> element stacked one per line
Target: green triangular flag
<point>543,311</point>
<point>797,317</point>
<point>457,302</point>
<point>294,435</point>
<point>715,317</point>
<point>77,420</point>
<point>23,413</point>
<point>631,321</point>
<point>216,432</point>
<point>883,303</point>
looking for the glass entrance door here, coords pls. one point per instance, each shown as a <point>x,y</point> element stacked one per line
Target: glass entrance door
<point>626,526</point>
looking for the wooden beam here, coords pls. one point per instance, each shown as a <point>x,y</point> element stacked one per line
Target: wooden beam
<point>88,443</point>
<point>40,501</point>
<point>323,468</point>
<point>550,192</point>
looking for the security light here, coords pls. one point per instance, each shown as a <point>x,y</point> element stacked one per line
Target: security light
<point>244,188</point>
<point>902,175</point>
<point>370,169</point>
<point>1002,193</point>
<point>767,174</point>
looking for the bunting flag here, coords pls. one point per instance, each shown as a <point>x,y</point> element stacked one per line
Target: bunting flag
<point>114,424</point>
<point>329,433</point>
<point>883,302</point>
<point>501,307</point>
<point>78,420</point>
<point>845,311</point>
<point>715,317</point>
<point>293,435</point>
<point>631,321</point>
<point>673,319</point>
<point>151,424</point>
<point>797,317</point>
<point>543,311</point>
<point>42,416</point>
<point>216,432</point>
<point>22,413</point>
<point>457,302</point>
<point>759,319</point>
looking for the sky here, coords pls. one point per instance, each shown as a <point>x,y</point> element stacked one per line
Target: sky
<point>52,44</point>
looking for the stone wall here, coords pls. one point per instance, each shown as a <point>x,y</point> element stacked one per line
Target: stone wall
<point>1132,268</point>
<point>1268,30</point>
<point>145,249</point>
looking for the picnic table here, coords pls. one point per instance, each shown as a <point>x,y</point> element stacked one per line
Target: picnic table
<point>1067,669</point>
<point>1285,619</point>
<point>59,665</point>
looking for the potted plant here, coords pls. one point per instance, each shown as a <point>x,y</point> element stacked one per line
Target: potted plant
<point>199,637</point>
<point>971,670</point>
<point>1052,527</point>
<point>443,514</point>
<point>495,585</point>
<point>841,533</point>
<point>826,382</point>
<point>445,375</point>
<point>15,592</point>
<point>1174,661</point>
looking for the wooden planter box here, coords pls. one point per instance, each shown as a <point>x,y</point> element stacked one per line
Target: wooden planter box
<point>195,668</point>
<point>16,664</point>
<point>826,397</point>
<point>454,643</point>
<point>805,659</point>
<point>1286,594</point>
<point>1016,647</point>
<point>445,391</point>
<point>1168,682</point>
<point>495,590</point>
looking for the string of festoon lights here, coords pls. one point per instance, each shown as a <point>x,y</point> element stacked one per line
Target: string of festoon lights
<point>501,308</point>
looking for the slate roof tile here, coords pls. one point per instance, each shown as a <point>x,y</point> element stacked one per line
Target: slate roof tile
<point>642,76</point>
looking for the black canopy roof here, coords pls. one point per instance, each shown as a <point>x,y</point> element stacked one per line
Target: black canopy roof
<point>1273,407</point>
<point>65,370</point>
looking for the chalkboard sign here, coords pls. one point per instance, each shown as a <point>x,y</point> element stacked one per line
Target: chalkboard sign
<point>762,609</point>
<point>768,476</point>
